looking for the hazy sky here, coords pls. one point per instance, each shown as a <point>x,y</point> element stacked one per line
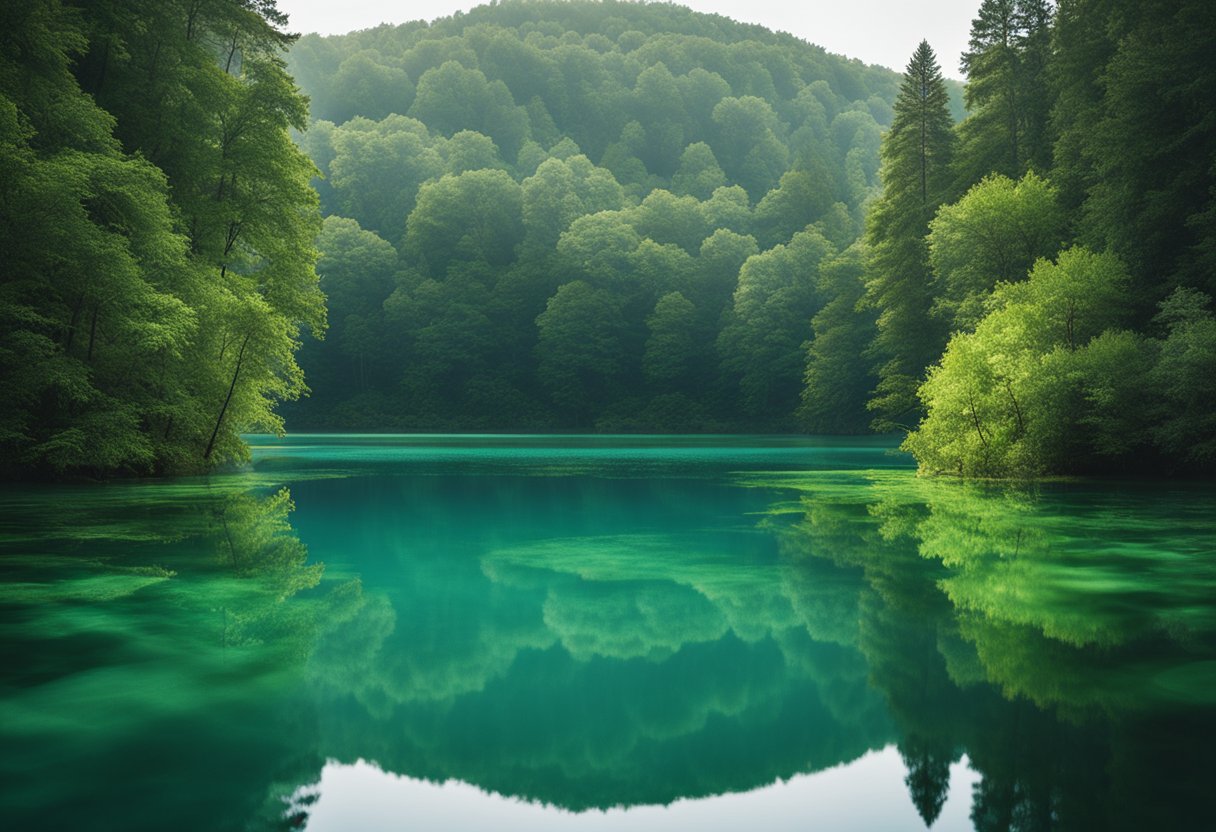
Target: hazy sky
<point>876,31</point>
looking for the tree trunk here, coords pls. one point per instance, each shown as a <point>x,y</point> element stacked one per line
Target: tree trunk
<point>1016,410</point>
<point>92,332</point>
<point>71,333</point>
<point>975,418</point>
<point>99,78</point>
<point>231,53</point>
<point>236,372</point>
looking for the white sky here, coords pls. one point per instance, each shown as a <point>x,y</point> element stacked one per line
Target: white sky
<point>876,31</point>
<point>867,793</point>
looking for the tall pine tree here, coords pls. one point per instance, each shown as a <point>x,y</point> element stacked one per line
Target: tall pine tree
<point>916,157</point>
<point>1007,94</point>
<point>1082,46</point>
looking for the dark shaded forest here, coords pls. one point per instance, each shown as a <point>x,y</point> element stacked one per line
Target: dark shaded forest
<point>606,216</point>
<point>594,216</point>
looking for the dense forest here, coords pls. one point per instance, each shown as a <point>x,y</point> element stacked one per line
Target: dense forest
<point>582,215</point>
<point>1070,254</point>
<point>157,228</point>
<point>606,216</point>
<point>618,216</point>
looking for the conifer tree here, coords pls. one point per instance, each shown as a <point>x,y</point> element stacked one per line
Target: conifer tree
<point>916,156</point>
<point>1144,148</point>
<point>1007,95</point>
<point>1036,22</point>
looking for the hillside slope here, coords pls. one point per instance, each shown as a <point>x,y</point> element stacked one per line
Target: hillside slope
<point>579,215</point>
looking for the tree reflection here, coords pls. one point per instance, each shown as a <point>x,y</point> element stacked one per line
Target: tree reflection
<point>928,779</point>
<point>170,622</point>
<point>1055,635</point>
<point>595,671</point>
<point>1035,631</point>
<point>256,545</point>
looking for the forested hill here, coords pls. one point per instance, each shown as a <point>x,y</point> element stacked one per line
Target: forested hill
<point>601,215</point>
<point>606,216</point>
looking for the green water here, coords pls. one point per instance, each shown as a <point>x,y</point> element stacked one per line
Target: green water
<point>596,632</point>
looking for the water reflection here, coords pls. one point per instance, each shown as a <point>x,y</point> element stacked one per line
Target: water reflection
<point>859,797</point>
<point>149,635</point>
<point>1062,637</point>
<point>591,671</point>
<point>560,660</point>
<point>176,656</point>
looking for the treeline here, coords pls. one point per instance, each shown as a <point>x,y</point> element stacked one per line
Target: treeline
<point>1049,263</point>
<point>608,216</point>
<point>157,226</point>
<point>587,215</point>
<point>619,216</point>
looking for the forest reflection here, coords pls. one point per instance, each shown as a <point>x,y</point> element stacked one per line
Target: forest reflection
<point>1060,635</point>
<point>586,642</point>
<point>153,635</point>
<point>1059,638</point>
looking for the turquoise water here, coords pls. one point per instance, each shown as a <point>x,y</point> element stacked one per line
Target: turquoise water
<point>479,632</point>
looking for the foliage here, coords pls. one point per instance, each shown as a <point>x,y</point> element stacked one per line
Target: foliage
<point>837,381</point>
<point>916,157</point>
<point>605,215</point>
<point>580,348</point>
<point>1007,92</point>
<point>157,227</point>
<point>1138,149</point>
<point>994,234</point>
<point>1045,382</point>
<point>640,151</point>
<point>1186,424</point>
<point>1095,106</point>
<point>475,216</point>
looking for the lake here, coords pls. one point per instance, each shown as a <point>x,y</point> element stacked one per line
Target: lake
<point>566,632</point>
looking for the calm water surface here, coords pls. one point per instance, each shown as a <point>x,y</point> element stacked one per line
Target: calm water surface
<point>530,633</point>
